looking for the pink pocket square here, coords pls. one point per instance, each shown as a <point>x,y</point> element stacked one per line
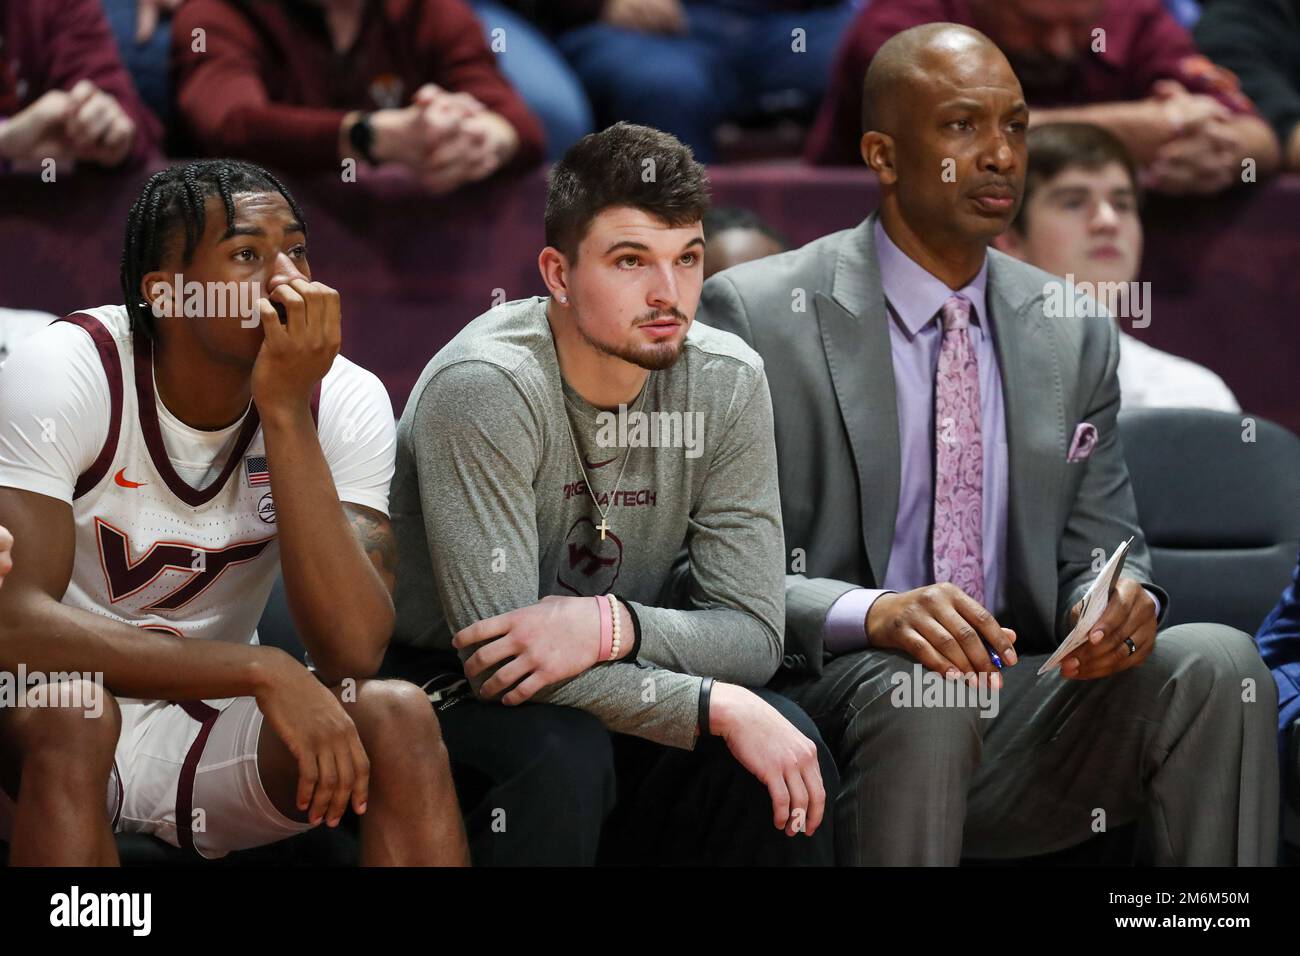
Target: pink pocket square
<point>1084,441</point>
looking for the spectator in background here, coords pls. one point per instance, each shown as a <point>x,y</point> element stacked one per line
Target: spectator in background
<point>302,85</point>
<point>1259,40</point>
<point>525,55</point>
<point>531,62</point>
<point>733,235</point>
<point>142,29</point>
<point>1079,218</point>
<point>63,92</point>
<point>1182,118</point>
<point>686,66</point>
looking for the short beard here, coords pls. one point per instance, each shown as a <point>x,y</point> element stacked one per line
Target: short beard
<point>653,357</point>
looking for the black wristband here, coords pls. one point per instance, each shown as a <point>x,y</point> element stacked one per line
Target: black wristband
<point>706,691</point>
<point>636,628</point>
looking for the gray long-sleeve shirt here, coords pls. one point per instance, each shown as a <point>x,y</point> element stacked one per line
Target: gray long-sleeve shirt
<point>492,512</point>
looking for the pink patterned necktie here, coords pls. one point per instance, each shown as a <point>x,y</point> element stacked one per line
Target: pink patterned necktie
<point>958,457</point>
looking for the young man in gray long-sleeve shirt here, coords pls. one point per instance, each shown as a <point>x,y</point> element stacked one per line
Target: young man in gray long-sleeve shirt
<point>576,446</point>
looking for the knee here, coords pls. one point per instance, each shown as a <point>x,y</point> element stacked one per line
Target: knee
<point>69,724</point>
<point>392,712</point>
<point>941,732</point>
<point>618,76</point>
<point>1212,658</point>
<point>685,100</point>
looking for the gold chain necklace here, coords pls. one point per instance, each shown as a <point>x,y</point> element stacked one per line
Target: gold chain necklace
<point>604,512</point>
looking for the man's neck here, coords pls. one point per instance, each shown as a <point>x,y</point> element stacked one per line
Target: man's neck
<point>218,402</point>
<point>955,265</point>
<point>603,380</point>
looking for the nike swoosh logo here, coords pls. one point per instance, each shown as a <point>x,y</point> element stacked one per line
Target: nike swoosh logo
<point>599,464</point>
<point>125,482</point>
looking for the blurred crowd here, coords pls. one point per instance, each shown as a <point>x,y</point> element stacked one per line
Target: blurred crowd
<point>1202,94</point>
<point>1127,97</point>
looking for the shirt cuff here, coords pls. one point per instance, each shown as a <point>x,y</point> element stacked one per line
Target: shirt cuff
<point>846,622</point>
<point>1155,597</point>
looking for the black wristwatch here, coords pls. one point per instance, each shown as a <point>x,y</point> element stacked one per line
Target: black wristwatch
<point>362,137</point>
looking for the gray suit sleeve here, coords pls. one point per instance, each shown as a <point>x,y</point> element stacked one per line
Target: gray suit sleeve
<point>807,600</point>
<point>1104,512</point>
<point>476,486</point>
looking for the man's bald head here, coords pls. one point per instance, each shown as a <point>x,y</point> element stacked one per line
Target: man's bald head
<point>945,135</point>
<point>906,59</point>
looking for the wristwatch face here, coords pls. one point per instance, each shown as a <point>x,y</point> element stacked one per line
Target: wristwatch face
<point>361,135</point>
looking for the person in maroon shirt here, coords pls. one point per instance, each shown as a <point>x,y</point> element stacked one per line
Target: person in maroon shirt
<point>303,85</point>
<point>1125,65</point>
<point>64,94</point>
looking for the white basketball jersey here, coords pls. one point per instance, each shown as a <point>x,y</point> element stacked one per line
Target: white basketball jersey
<point>152,550</point>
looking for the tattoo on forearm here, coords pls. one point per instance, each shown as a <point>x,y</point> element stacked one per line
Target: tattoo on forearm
<point>375,534</point>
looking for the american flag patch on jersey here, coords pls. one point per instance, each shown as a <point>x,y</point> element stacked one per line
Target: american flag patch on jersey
<point>256,470</point>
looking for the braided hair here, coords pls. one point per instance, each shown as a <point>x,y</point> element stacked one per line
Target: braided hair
<point>177,195</point>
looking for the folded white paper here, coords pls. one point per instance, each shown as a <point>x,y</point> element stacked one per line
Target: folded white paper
<point>1094,605</point>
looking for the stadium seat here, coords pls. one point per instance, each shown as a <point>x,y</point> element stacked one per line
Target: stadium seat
<point>1218,498</point>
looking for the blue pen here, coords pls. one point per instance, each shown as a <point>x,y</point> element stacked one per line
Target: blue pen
<point>993,655</point>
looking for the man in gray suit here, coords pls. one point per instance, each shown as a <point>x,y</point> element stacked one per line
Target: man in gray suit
<point>951,482</point>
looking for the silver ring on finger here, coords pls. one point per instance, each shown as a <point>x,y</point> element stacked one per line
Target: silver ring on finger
<point>1132,648</point>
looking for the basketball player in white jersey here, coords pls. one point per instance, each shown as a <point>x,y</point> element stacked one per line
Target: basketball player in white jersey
<point>160,464</point>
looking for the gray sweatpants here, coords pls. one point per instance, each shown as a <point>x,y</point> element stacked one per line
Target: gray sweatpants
<point>1183,744</point>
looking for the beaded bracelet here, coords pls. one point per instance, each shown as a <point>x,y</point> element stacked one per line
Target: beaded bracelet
<point>618,627</point>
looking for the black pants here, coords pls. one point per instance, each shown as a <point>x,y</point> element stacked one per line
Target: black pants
<point>546,785</point>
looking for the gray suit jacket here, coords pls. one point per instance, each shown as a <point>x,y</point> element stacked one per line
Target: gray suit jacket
<point>817,315</point>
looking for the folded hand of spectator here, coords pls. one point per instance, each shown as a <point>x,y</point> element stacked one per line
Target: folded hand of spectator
<point>408,135</point>
<point>98,128</point>
<point>478,145</point>
<point>1184,141</point>
<point>446,139</point>
<point>1201,163</point>
<point>1185,111</point>
<point>645,16</point>
<point>37,132</point>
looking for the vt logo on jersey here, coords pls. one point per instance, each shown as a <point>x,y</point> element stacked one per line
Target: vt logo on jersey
<point>590,566</point>
<point>125,577</point>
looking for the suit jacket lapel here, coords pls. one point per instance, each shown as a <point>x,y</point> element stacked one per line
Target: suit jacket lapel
<point>1034,400</point>
<point>855,334</point>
